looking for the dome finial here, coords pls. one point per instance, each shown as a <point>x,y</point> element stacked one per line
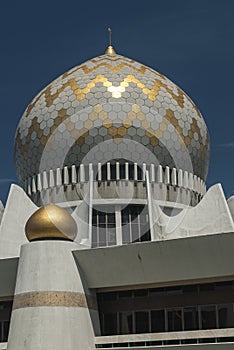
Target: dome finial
<point>110,36</point>
<point>110,50</point>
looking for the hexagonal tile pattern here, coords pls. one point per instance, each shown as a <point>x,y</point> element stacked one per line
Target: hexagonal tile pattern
<point>107,108</point>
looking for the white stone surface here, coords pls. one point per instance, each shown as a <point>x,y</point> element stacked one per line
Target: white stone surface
<point>1,213</point>
<point>50,266</point>
<point>211,215</point>
<point>230,203</point>
<point>50,328</point>
<point>17,211</point>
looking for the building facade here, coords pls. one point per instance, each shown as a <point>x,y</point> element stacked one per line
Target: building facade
<point>111,239</point>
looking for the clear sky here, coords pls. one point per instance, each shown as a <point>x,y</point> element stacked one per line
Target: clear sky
<point>191,42</point>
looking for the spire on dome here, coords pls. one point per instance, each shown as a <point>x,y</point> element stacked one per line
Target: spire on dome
<point>110,50</point>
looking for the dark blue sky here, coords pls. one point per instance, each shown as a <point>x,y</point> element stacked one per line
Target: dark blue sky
<point>191,42</point>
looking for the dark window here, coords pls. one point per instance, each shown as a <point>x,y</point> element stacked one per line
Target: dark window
<point>113,171</point>
<point>168,309</point>
<point>208,316</point>
<point>174,320</point>
<point>5,315</point>
<point>226,316</point>
<point>125,294</point>
<point>190,318</point>
<point>110,324</point>
<point>103,228</point>
<point>158,321</point>
<point>142,322</point>
<point>126,322</point>
<point>135,224</point>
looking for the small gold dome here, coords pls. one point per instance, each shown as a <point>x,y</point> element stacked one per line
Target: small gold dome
<point>51,222</point>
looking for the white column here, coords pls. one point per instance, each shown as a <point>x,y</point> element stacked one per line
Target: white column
<point>117,171</point>
<point>99,171</point>
<point>152,172</point>
<point>135,175</point>
<point>159,174</point>
<point>118,222</point>
<point>143,171</point>
<point>65,176</point>
<point>180,178</point>
<point>51,178</point>
<point>167,175</point>
<point>73,175</point>
<point>58,177</point>
<point>51,305</point>
<point>126,171</point>
<point>44,180</point>
<point>108,171</point>
<point>82,173</point>
<point>185,182</point>
<point>174,177</point>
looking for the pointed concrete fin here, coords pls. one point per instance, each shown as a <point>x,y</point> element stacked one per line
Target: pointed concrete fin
<point>210,216</point>
<point>1,211</point>
<point>230,203</point>
<point>19,208</point>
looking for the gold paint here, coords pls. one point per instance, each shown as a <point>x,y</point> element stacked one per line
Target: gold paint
<point>153,141</point>
<point>122,131</point>
<point>136,108</point>
<point>131,115</point>
<point>113,69</point>
<point>51,221</point>
<point>54,298</point>
<point>112,131</point>
<point>88,124</point>
<point>140,116</point>
<point>110,51</point>
<point>115,90</point>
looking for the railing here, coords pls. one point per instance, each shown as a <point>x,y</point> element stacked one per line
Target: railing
<point>159,339</point>
<point>114,172</point>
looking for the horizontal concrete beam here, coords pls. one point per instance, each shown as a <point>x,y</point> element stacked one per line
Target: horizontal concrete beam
<point>184,260</point>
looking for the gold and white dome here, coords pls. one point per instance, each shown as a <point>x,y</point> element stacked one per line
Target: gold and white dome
<point>111,107</point>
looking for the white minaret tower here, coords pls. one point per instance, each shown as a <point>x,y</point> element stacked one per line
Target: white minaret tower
<point>51,307</point>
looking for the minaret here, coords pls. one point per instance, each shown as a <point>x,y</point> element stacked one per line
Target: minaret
<point>51,308</point>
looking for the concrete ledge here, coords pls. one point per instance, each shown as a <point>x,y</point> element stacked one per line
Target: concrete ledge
<point>160,263</point>
<point>200,334</point>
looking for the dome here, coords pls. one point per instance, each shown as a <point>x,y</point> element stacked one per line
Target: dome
<point>111,107</point>
<point>51,222</point>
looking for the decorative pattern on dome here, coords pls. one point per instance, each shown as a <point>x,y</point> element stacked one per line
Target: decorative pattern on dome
<point>110,101</point>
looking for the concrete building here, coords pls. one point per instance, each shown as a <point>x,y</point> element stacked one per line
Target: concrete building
<point>111,239</point>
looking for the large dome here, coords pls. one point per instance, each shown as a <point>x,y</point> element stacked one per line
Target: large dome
<point>111,107</point>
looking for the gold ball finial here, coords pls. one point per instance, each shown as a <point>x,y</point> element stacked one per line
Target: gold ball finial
<point>51,222</point>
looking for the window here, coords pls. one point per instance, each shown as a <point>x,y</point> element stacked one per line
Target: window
<point>135,224</point>
<point>208,316</point>
<point>158,321</point>
<point>166,309</point>
<point>126,322</point>
<point>226,316</point>
<point>174,319</point>
<point>5,315</point>
<point>109,324</point>
<point>142,321</point>
<point>190,318</point>
<point>103,229</point>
